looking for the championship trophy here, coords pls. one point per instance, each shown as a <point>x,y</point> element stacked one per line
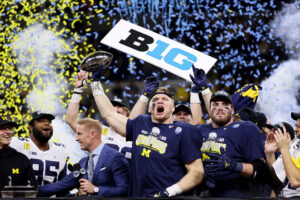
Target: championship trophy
<point>10,191</point>
<point>93,60</point>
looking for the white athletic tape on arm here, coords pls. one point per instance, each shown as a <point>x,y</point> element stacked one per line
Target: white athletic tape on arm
<point>194,97</point>
<point>97,88</point>
<point>206,91</point>
<point>174,190</point>
<point>144,99</point>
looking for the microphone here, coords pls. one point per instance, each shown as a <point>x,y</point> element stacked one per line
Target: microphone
<point>78,172</point>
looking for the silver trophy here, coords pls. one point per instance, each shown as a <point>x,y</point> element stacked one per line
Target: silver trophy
<point>93,60</point>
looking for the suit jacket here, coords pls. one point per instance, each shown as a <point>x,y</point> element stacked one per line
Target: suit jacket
<point>111,175</point>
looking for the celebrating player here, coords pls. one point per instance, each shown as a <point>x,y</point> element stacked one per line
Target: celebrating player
<point>48,158</point>
<point>165,159</point>
<point>233,151</point>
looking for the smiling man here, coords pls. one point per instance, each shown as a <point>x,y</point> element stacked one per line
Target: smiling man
<point>48,159</point>
<point>165,159</point>
<point>15,167</point>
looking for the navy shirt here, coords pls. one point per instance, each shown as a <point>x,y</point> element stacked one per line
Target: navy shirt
<point>159,153</point>
<point>241,142</point>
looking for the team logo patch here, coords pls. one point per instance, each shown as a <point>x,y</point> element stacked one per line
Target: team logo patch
<point>212,135</point>
<point>235,125</point>
<point>178,130</point>
<point>26,145</point>
<point>155,131</point>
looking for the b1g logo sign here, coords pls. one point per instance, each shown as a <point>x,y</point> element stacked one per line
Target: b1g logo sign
<point>157,49</point>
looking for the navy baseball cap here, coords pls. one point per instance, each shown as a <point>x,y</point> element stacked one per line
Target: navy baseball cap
<point>182,107</point>
<point>295,116</point>
<point>221,94</point>
<point>38,115</point>
<point>246,114</point>
<point>5,121</point>
<point>120,102</point>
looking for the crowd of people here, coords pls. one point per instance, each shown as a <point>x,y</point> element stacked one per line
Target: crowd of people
<point>158,149</point>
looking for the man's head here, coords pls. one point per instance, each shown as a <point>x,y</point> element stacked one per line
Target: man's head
<point>280,125</point>
<point>221,109</point>
<point>40,126</point>
<point>182,113</point>
<point>6,132</point>
<point>245,114</point>
<point>88,134</point>
<point>296,116</point>
<point>161,105</point>
<point>121,107</point>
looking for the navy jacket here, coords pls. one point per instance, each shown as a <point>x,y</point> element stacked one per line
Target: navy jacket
<point>111,175</point>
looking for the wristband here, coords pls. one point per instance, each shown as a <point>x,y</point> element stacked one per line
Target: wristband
<point>239,167</point>
<point>75,97</point>
<point>144,99</point>
<point>194,97</point>
<point>206,91</point>
<point>174,190</point>
<point>97,88</point>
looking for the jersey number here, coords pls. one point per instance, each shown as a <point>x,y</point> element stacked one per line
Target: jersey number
<point>39,173</point>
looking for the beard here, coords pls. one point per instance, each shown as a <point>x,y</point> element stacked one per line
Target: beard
<point>223,121</point>
<point>40,136</point>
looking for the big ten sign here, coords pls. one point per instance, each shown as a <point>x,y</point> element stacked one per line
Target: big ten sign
<point>157,49</point>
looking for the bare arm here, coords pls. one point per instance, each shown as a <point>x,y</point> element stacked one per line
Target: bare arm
<point>206,95</point>
<point>139,107</point>
<point>73,108</point>
<point>116,121</point>
<point>195,108</point>
<point>194,176</point>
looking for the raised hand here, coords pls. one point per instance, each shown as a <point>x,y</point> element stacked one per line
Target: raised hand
<point>199,80</point>
<point>270,144</point>
<point>282,138</point>
<point>152,82</point>
<point>81,78</point>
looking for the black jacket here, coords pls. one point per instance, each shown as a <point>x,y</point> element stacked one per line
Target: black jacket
<point>17,166</point>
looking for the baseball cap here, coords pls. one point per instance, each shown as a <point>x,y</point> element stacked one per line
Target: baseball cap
<point>38,115</point>
<point>156,91</point>
<point>221,94</point>
<point>5,121</point>
<point>261,119</point>
<point>120,102</point>
<point>295,116</point>
<point>182,107</point>
<point>246,114</point>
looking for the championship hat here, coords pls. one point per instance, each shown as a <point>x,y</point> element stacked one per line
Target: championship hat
<point>38,115</point>
<point>246,114</point>
<point>221,94</point>
<point>5,121</point>
<point>120,102</point>
<point>182,107</point>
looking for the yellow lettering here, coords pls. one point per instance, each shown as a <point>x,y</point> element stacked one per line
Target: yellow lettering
<point>104,131</point>
<point>146,153</point>
<point>15,171</point>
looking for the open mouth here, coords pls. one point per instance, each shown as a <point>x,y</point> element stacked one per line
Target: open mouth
<point>46,130</point>
<point>160,110</point>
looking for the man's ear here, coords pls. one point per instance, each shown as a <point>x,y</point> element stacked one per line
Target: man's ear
<point>30,128</point>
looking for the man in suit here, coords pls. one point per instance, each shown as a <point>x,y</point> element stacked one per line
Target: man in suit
<point>104,172</point>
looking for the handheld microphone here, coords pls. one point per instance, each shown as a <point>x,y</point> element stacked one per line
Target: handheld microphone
<point>78,172</point>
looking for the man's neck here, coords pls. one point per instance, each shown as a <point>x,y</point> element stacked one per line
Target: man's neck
<point>94,146</point>
<point>214,125</point>
<point>43,146</point>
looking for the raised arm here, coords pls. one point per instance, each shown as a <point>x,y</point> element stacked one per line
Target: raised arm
<point>115,120</point>
<point>140,106</point>
<point>73,108</point>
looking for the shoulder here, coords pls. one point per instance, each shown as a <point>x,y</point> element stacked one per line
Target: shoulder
<point>18,154</point>
<point>58,145</point>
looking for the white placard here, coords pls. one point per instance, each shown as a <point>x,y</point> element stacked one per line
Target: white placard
<point>156,49</point>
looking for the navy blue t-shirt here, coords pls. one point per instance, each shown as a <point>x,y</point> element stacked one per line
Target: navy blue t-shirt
<point>241,142</point>
<point>159,153</point>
